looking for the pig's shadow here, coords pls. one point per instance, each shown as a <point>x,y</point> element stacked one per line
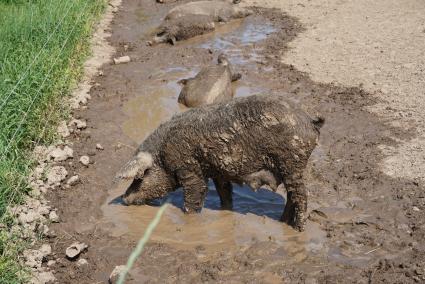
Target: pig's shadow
<point>262,203</point>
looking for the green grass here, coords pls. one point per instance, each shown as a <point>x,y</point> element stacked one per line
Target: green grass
<point>43,44</point>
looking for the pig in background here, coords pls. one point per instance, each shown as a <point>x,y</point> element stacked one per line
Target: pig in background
<point>213,84</point>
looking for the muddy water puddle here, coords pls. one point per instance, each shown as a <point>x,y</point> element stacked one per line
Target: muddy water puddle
<point>255,216</point>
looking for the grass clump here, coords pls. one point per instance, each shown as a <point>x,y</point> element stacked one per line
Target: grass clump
<point>43,44</point>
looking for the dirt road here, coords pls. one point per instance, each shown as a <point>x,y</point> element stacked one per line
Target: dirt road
<point>365,181</point>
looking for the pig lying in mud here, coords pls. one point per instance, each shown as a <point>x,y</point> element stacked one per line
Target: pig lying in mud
<point>172,1</point>
<point>212,84</point>
<point>256,140</point>
<point>195,18</point>
<point>180,29</point>
<point>221,11</point>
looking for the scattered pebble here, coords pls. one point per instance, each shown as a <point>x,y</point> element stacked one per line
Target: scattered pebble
<point>122,59</point>
<point>116,273</point>
<point>74,250</point>
<point>63,129</point>
<point>53,216</point>
<point>59,155</point>
<point>73,180</point>
<point>43,277</point>
<point>80,124</point>
<point>82,262</point>
<point>85,160</point>
<point>51,263</point>
<point>56,175</point>
<point>99,147</point>
<point>46,249</point>
<point>416,209</point>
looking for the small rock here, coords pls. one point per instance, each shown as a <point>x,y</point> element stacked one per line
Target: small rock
<point>99,147</point>
<point>73,180</point>
<point>29,217</point>
<point>46,250</point>
<point>80,124</point>
<point>416,209</point>
<point>74,250</point>
<point>33,258</point>
<point>51,263</point>
<point>85,160</point>
<point>44,277</point>
<point>116,273</point>
<point>122,59</point>
<point>63,129</point>
<point>53,216</point>
<point>59,155</point>
<point>56,174</point>
<point>82,262</point>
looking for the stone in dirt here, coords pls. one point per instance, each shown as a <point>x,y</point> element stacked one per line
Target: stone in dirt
<point>74,250</point>
<point>34,258</point>
<point>44,277</point>
<point>80,124</point>
<point>85,160</point>
<point>53,216</point>
<point>59,155</point>
<point>56,175</point>
<point>99,146</point>
<point>115,274</point>
<point>82,262</point>
<point>63,129</point>
<point>73,180</point>
<point>122,59</point>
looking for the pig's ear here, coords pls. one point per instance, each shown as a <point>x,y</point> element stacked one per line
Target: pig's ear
<point>136,167</point>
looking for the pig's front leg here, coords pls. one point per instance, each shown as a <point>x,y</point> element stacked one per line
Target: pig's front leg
<point>195,190</point>
<point>224,190</point>
<point>296,202</point>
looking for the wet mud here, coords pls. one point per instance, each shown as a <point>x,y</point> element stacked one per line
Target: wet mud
<point>361,228</point>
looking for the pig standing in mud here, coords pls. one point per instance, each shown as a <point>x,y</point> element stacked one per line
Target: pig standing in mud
<point>257,140</point>
<point>195,18</point>
<point>212,84</point>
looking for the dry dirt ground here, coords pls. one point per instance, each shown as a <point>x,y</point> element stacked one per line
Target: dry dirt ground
<point>358,63</point>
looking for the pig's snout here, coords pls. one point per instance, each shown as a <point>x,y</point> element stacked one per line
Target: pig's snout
<point>131,200</point>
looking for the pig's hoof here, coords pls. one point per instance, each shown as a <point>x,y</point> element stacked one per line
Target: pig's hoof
<point>190,210</point>
<point>295,220</point>
<point>227,206</point>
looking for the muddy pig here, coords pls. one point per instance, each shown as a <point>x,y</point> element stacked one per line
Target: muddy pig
<point>256,140</point>
<point>173,30</point>
<point>220,11</point>
<point>212,84</point>
<point>195,18</point>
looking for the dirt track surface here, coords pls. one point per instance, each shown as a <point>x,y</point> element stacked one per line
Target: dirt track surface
<point>365,226</point>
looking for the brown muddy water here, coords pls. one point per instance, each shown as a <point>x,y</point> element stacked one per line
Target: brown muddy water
<point>255,216</point>
<point>358,230</point>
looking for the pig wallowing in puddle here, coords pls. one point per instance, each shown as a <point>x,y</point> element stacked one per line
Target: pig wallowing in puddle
<point>195,18</point>
<point>257,140</point>
<point>212,84</point>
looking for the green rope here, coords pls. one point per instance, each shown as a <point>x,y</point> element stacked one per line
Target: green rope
<point>139,248</point>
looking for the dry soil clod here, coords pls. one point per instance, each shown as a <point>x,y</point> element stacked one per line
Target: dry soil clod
<point>73,180</point>
<point>122,59</point>
<point>74,250</point>
<point>115,274</point>
<point>85,160</point>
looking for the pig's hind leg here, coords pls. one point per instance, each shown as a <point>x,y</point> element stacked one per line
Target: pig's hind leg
<point>296,202</point>
<point>194,189</point>
<point>225,191</point>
